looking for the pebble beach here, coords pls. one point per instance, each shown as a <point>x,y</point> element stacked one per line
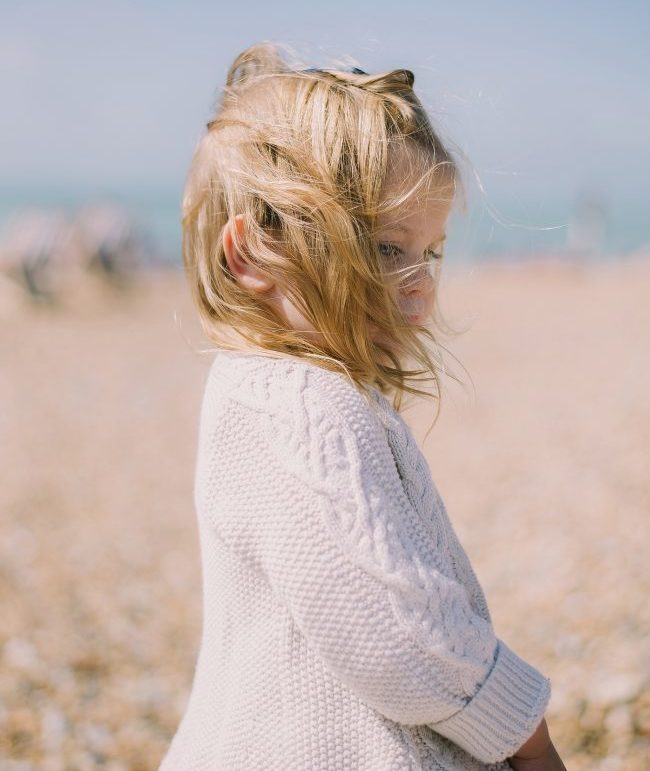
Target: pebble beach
<point>541,455</point>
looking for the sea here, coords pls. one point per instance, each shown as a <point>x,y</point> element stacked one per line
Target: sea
<point>589,225</point>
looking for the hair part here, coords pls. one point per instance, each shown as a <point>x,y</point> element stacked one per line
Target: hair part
<point>303,155</point>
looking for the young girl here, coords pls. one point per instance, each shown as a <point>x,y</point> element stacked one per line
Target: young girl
<point>343,628</point>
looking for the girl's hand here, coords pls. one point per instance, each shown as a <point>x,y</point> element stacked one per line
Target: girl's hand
<point>549,761</point>
<point>538,753</point>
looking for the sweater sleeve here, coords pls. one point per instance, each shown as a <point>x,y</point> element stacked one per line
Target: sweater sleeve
<point>305,488</point>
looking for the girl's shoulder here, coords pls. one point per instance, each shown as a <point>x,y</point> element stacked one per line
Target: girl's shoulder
<point>298,404</point>
<point>314,422</point>
<point>283,385</point>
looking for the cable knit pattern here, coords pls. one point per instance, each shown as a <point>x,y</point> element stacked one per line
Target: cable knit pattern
<point>343,626</point>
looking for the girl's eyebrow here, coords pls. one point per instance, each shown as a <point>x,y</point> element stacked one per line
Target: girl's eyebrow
<point>399,226</point>
<point>404,229</point>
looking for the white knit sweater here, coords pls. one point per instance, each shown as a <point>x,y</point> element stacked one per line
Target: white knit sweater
<point>343,626</point>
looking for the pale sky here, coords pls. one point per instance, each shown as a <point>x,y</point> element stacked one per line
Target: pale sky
<point>545,99</point>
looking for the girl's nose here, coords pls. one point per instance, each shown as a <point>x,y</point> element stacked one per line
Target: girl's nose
<point>417,296</point>
<point>419,281</point>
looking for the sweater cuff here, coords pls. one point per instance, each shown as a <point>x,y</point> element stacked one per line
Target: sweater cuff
<point>504,712</point>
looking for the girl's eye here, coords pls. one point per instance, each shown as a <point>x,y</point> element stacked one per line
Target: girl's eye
<point>389,250</point>
<point>392,251</point>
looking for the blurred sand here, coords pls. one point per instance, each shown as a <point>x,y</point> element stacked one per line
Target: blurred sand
<point>544,471</point>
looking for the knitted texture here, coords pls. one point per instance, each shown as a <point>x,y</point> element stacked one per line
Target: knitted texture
<point>343,626</point>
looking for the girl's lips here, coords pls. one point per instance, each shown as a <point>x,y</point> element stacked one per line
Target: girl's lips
<point>414,318</point>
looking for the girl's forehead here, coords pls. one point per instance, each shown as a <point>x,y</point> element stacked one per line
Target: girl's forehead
<point>414,184</point>
<point>425,219</point>
<point>427,206</point>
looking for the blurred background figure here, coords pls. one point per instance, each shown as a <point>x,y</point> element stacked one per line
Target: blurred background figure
<point>587,228</point>
<point>47,251</point>
<point>112,242</point>
<point>38,250</point>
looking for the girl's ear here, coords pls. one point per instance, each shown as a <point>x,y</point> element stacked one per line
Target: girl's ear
<point>244,271</point>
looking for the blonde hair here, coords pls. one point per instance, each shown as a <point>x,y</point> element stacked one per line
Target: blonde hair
<point>302,154</point>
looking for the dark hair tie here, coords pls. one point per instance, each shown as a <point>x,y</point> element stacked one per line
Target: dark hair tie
<point>353,70</point>
<point>406,75</point>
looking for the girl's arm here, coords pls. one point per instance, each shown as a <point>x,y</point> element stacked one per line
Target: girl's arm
<point>298,479</point>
